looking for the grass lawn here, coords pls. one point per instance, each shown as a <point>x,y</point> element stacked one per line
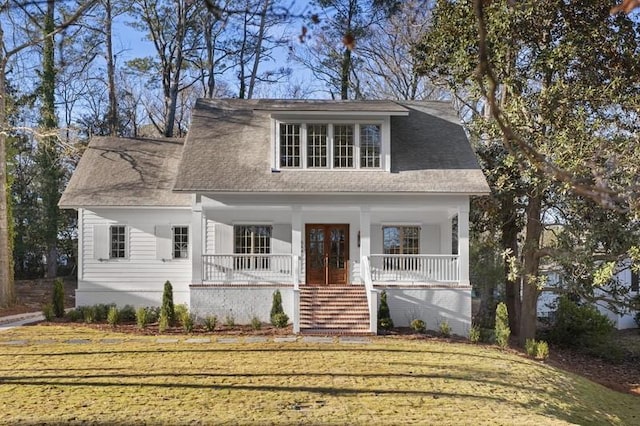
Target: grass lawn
<point>390,381</point>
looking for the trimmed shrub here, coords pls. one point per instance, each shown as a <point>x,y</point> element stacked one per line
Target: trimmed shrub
<point>101,311</point>
<point>418,326</point>
<point>579,326</point>
<point>58,298</point>
<point>474,334</point>
<point>276,306</point>
<point>188,322</point>
<point>230,320</point>
<point>384,316</point>
<point>128,313</point>
<point>256,324</point>
<point>180,311</point>
<point>167,311</point>
<point>502,331</point>
<point>113,316</point>
<point>280,320</point>
<point>142,317</point>
<point>210,322</point>
<point>537,349</point>
<point>74,315</point>
<point>445,328</point>
<point>47,312</point>
<point>89,314</point>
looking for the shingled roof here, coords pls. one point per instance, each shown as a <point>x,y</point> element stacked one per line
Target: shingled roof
<point>228,149</point>
<point>126,172</point>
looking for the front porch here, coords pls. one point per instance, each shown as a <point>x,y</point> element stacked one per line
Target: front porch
<point>243,250</point>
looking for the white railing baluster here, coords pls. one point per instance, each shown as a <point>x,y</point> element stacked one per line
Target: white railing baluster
<point>415,268</point>
<point>249,268</point>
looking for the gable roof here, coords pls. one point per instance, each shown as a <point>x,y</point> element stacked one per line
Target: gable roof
<point>126,172</point>
<point>228,149</point>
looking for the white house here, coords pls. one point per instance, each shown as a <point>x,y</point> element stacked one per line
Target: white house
<point>329,202</point>
<point>626,277</point>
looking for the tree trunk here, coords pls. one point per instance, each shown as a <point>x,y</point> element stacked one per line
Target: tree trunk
<point>257,57</point>
<point>531,263</point>
<point>7,291</point>
<point>510,242</point>
<point>113,105</point>
<point>50,169</point>
<point>344,74</point>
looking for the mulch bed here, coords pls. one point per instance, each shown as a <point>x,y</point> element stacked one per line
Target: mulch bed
<point>622,377</point>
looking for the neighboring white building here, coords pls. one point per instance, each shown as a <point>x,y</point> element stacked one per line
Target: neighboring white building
<point>547,301</point>
<point>329,202</point>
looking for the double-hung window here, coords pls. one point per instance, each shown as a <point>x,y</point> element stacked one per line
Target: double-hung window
<point>253,240</point>
<point>118,242</point>
<point>180,242</point>
<point>399,240</point>
<point>337,145</point>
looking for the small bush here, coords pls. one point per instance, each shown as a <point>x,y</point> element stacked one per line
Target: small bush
<point>167,311</point>
<point>142,317</point>
<point>89,314</point>
<point>47,312</point>
<point>502,331</point>
<point>128,313</point>
<point>474,334</point>
<point>210,322</point>
<point>276,306</point>
<point>280,320</point>
<point>537,349</point>
<point>487,335</point>
<point>58,298</point>
<point>74,315</point>
<point>180,311</point>
<point>153,313</point>
<point>445,328</point>
<point>188,322</point>
<point>113,316</point>
<point>230,320</point>
<point>418,326</point>
<point>579,326</point>
<point>256,324</point>
<point>384,316</point>
<point>101,311</point>
<point>163,323</point>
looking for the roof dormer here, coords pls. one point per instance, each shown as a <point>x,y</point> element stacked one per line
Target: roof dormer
<point>333,136</point>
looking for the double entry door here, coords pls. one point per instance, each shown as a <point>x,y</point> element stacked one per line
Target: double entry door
<point>327,253</point>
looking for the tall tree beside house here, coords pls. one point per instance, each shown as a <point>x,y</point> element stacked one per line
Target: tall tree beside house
<point>171,26</point>
<point>388,69</point>
<point>8,52</point>
<point>569,88</point>
<point>332,53</point>
<point>48,157</point>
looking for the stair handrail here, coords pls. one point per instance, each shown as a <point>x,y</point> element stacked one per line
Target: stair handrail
<point>372,294</point>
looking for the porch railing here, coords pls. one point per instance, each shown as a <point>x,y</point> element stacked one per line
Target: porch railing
<point>418,268</point>
<point>249,268</point>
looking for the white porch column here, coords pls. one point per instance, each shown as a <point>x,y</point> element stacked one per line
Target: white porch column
<point>296,251</point>
<point>196,245</point>
<point>365,232</point>
<point>463,241</point>
<point>445,236</point>
<point>296,231</point>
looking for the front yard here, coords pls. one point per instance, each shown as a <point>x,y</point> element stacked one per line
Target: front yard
<point>52,374</point>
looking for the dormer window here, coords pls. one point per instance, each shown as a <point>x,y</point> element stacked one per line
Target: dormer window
<point>336,145</point>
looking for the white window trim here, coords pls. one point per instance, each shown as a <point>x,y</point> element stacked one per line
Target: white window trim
<point>173,227</point>
<point>385,143</point>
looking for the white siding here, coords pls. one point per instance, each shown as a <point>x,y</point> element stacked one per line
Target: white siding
<point>144,272</point>
<point>210,239</point>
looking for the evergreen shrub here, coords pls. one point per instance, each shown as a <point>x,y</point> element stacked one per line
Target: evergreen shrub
<point>502,331</point>
<point>58,298</point>
<point>418,326</point>
<point>167,311</point>
<point>384,316</point>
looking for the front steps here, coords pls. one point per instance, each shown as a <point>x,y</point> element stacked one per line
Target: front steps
<point>334,310</point>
